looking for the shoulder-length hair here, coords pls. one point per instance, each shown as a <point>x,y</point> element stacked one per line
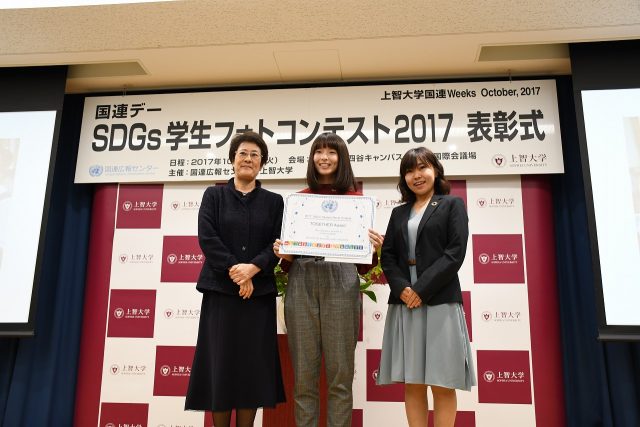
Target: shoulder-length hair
<point>344,179</point>
<point>252,137</point>
<point>410,161</point>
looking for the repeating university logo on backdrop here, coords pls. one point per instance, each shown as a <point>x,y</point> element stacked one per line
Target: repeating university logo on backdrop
<point>496,202</point>
<point>504,376</point>
<point>136,258</point>
<point>497,258</point>
<point>173,367</point>
<point>192,313</point>
<point>128,369</point>
<point>132,313</point>
<point>182,259</point>
<point>139,206</point>
<point>185,205</point>
<point>511,316</point>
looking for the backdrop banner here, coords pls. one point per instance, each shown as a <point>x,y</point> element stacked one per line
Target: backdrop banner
<point>475,128</point>
<point>143,309</point>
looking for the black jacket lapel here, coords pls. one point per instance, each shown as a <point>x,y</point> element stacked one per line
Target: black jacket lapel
<point>431,208</point>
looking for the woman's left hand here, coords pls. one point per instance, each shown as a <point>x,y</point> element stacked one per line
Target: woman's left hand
<point>375,238</point>
<point>246,289</point>
<point>242,272</point>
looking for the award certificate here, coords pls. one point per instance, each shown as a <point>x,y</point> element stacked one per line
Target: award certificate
<point>331,226</point>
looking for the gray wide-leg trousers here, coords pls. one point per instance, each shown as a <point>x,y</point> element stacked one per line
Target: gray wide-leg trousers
<point>322,313</point>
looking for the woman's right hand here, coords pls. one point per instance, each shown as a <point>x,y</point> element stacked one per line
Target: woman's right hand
<point>410,298</point>
<point>276,250</point>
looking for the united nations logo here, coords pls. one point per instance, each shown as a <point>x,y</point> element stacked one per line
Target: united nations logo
<point>95,170</point>
<point>329,205</point>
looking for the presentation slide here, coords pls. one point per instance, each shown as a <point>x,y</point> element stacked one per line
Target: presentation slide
<point>612,124</point>
<point>25,151</point>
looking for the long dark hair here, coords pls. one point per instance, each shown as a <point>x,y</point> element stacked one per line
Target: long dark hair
<point>344,179</point>
<point>410,160</point>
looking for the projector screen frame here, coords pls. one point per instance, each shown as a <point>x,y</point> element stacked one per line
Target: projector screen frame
<point>600,66</point>
<point>32,89</point>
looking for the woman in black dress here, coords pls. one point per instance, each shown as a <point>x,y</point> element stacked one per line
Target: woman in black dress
<point>236,363</point>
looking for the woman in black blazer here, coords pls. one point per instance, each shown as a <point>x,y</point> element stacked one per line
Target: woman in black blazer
<point>236,363</point>
<point>425,341</point>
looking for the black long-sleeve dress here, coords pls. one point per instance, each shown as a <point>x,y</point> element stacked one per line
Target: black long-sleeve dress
<point>236,362</point>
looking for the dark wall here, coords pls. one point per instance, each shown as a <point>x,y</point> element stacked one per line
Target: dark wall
<point>604,65</point>
<point>34,89</point>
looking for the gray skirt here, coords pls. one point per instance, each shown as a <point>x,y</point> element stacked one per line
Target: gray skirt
<point>426,345</point>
